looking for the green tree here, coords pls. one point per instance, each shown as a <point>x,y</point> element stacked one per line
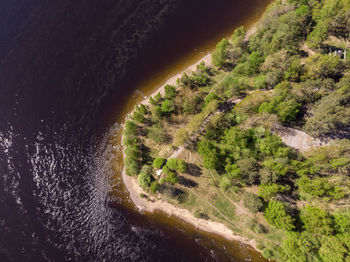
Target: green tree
<point>288,110</point>
<point>181,166</point>
<point>219,56</point>
<point>277,216</point>
<point>144,179</point>
<point>342,220</point>
<point>168,106</point>
<point>171,178</point>
<point>316,220</point>
<point>130,127</point>
<point>267,191</point>
<point>172,163</point>
<point>330,114</point>
<point>154,187</point>
<point>158,163</point>
<point>170,92</point>
<point>209,154</point>
<point>252,202</point>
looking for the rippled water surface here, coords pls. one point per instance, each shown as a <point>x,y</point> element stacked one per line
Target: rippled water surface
<point>69,71</point>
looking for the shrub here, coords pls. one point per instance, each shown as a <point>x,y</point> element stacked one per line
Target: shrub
<point>172,163</point>
<point>154,187</point>
<point>316,220</point>
<point>252,202</point>
<point>267,191</point>
<point>171,178</point>
<point>170,92</point>
<point>342,220</point>
<point>144,179</point>
<point>167,106</point>
<point>181,166</point>
<point>158,163</point>
<point>277,216</point>
<point>219,56</point>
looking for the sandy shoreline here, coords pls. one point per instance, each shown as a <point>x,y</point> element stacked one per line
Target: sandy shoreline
<point>142,204</point>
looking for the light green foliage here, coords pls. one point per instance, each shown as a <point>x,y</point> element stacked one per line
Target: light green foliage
<point>318,187</point>
<point>260,82</point>
<point>316,220</point>
<point>219,56</point>
<point>278,166</point>
<point>210,97</point>
<point>168,106</point>
<point>170,92</point>
<point>233,171</point>
<point>269,145</point>
<point>301,247</point>
<point>288,110</point>
<point>172,164</point>
<point>181,136</point>
<point>209,154</point>
<point>268,191</point>
<point>144,179</point>
<point>171,178</point>
<point>158,163</point>
<point>324,66</point>
<point>225,182</point>
<point>181,166</point>
<point>342,220</point>
<point>255,59</point>
<point>332,249</point>
<point>138,117</point>
<point>277,216</point>
<point>252,202</point>
<point>332,18</point>
<point>130,127</point>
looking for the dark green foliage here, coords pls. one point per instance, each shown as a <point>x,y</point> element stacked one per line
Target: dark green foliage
<point>316,220</point>
<point>158,163</point>
<point>252,202</point>
<point>277,216</point>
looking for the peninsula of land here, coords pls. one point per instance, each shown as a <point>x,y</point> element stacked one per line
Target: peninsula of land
<point>252,141</point>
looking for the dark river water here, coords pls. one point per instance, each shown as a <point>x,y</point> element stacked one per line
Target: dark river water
<point>69,71</point>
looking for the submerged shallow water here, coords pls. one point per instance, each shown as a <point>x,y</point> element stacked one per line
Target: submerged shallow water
<point>68,72</point>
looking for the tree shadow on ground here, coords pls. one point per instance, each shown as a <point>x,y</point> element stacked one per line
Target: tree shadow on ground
<point>194,170</point>
<point>187,182</point>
